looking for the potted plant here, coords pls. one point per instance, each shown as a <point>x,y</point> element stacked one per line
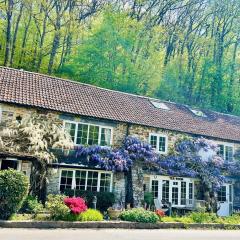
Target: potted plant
<point>114,211</point>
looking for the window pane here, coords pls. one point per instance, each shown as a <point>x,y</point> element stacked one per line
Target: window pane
<point>221,150</point>
<point>183,193</point>
<point>175,195</point>
<point>6,164</point>
<point>92,181</point>
<point>105,137</point>
<point>93,135</point>
<point>155,188</point>
<point>222,194</point>
<point>229,153</point>
<point>66,180</point>
<point>162,144</point>
<point>82,133</point>
<point>153,141</point>
<point>105,182</point>
<point>190,193</point>
<point>71,128</point>
<point>165,191</point>
<point>80,177</point>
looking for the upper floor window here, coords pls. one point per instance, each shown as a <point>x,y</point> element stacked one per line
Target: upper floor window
<point>226,152</point>
<point>88,134</point>
<point>159,142</point>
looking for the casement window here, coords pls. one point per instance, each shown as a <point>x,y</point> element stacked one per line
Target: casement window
<point>88,134</point>
<point>159,142</point>
<point>226,152</point>
<point>222,194</point>
<point>10,163</point>
<point>95,181</point>
<point>179,191</point>
<point>155,188</point>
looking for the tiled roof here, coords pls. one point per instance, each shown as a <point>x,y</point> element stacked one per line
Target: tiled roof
<point>38,90</point>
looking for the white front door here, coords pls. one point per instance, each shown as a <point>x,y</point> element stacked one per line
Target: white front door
<point>178,191</point>
<point>225,200</point>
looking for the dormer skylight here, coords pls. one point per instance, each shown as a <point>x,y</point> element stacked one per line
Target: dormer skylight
<point>198,113</point>
<point>159,105</point>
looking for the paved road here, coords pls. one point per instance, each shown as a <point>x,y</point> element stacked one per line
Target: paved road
<point>116,234</point>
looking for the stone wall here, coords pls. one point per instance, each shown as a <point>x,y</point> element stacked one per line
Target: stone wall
<point>120,130</point>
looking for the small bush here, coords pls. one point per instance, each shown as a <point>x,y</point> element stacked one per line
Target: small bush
<point>202,217</point>
<point>139,215</point>
<point>13,190</point>
<point>91,215</point>
<point>55,205</point>
<point>76,204</point>
<point>104,199</point>
<point>148,198</point>
<point>31,205</point>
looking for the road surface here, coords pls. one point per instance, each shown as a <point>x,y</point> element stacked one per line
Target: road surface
<point>116,234</point>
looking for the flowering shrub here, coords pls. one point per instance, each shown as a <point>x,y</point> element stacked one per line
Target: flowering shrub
<point>160,213</point>
<point>77,205</point>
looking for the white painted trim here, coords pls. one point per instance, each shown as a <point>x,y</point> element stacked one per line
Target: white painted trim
<point>19,162</point>
<point>158,135</point>
<point>226,144</point>
<point>86,170</point>
<point>160,178</point>
<point>89,124</point>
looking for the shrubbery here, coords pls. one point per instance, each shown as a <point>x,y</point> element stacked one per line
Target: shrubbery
<point>55,205</point>
<point>76,204</point>
<point>91,215</point>
<point>139,215</point>
<point>104,199</point>
<point>13,190</point>
<point>31,205</point>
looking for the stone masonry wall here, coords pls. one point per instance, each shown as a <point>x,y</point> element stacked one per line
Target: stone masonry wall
<point>11,112</point>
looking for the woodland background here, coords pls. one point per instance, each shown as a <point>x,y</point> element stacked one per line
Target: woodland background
<point>185,51</point>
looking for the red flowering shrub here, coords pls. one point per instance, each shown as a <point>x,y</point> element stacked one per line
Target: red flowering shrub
<point>160,213</point>
<point>76,204</point>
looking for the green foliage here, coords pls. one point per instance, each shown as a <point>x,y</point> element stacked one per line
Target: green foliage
<point>55,205</point>
<point>31,205</point>
<point>148,198</point>
<point>139,215</point>
<point>13,190</point>
<point>202,217</point>
<point>104,199</point>
<point>91,215</point>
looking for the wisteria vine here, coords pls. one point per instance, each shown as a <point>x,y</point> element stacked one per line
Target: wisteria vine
<point>186,161</point>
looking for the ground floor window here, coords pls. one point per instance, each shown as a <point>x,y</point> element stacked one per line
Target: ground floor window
<point>95,181</point>
<point>9,163</point>
<point>178,191</point>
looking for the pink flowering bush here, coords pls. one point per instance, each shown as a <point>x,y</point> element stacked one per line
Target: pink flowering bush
<point>77,205</point>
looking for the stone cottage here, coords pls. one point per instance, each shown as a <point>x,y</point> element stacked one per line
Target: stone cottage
<point>97,116</point>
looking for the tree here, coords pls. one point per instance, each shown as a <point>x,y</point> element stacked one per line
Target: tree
<point>35,136</point>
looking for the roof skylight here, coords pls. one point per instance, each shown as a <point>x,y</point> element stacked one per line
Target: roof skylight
<point>160,105</point>
<point>198,113</point>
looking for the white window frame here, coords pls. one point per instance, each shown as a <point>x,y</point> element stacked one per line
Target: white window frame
<point>90,124</point>
<point>224,149</point>
<point>19,163</point>
<point>86,170</point>
<point>171,180</point>
<point>158,135</point>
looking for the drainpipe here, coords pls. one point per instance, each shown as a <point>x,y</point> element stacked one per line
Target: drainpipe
<point>128,180</point>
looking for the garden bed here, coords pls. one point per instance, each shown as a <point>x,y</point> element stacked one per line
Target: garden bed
<point>114,224</point>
